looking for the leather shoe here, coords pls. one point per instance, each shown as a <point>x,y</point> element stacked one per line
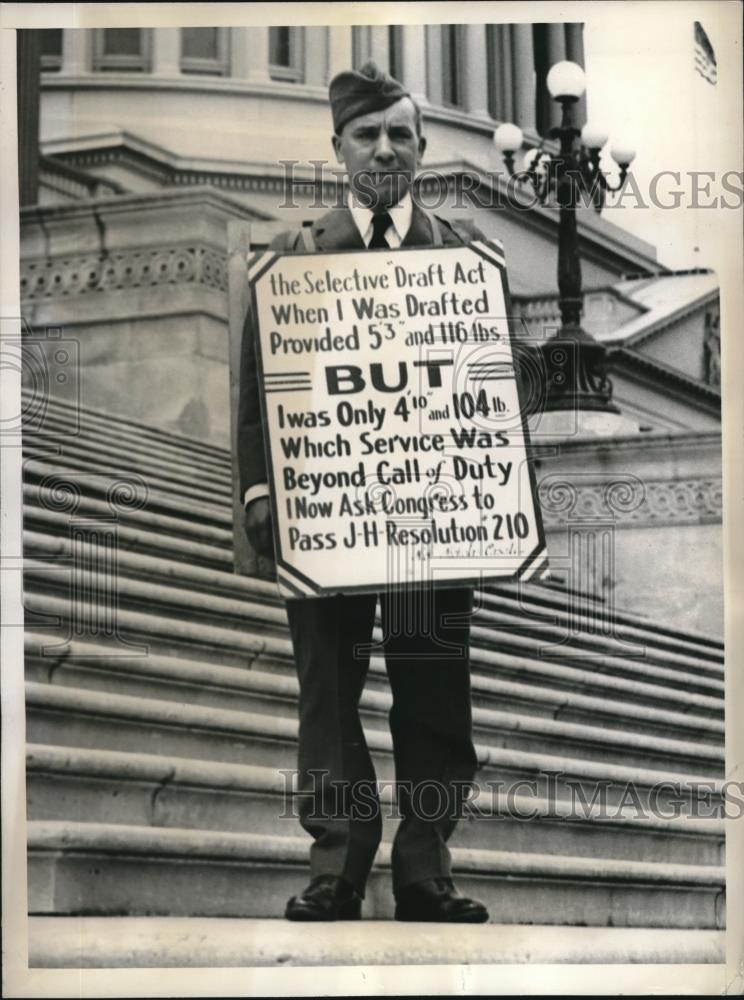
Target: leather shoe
<point>436,900</point>
<point>326,898</point>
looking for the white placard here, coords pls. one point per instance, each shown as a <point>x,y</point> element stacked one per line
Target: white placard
<point>394,435</point>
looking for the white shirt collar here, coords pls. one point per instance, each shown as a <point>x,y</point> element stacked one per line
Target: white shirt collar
<point>400,214</point>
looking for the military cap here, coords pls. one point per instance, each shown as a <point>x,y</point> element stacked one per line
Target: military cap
<point>357,92</point>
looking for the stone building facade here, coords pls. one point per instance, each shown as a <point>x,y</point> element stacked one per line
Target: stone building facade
<point>153,140</point>
<point>160,684</point>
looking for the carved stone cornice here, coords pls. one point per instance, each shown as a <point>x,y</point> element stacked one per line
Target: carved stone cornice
<point>167,174</point>
<point>91,274</point>
<point>626,500</point>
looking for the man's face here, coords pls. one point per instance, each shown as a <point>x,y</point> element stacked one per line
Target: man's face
<point>381,151</point>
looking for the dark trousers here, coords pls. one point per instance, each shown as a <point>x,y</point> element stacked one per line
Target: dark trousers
<point>426,645</point>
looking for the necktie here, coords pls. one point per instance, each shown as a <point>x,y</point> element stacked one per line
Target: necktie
<point>380,225</point>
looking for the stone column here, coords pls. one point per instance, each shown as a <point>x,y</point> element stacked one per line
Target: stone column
<point>315,41</point>
<point>28,68</point>
<point>361,44</point>
<point>340,53</point>
<point>414,60</point>
<point>556,43</point>
<point>475,70</point>
<point>523,68</point>
<point>240,39</point>
<point>166,51</point>
<point>505,75</point>
<point>575,43</point>
<point>249,52</point>
<point>379,48</point>
<point>75,51</point>
<point>493,56</point>
<point>556,53</point>
<point>575,52</point>
<point>434,62</point>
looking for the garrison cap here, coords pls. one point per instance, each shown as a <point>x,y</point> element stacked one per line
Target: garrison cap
<point>353,93</point>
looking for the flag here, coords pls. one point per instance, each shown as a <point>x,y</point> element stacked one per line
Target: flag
<point>705,57</point>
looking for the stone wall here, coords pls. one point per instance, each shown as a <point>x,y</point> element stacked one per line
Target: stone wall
<point>636,520</point>
<point>138,286</point>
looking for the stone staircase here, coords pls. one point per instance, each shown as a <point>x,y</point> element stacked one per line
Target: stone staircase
<point>161,717</point>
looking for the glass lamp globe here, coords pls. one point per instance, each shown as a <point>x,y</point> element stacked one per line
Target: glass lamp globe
<point>508,138</point>
<point>622,153</point>
<point>566,80</point>
<point>593,137</point>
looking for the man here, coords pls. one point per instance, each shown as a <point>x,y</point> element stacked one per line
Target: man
<point>377,136</point>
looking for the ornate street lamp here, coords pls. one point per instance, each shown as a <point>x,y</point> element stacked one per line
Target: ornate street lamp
<point>575,363</point>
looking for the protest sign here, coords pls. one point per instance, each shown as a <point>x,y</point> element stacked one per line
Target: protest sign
<point>394,434</point>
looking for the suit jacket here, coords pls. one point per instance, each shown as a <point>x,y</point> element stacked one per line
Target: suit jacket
<point>336,230</point>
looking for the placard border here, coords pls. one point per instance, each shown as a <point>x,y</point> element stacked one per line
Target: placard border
<point>286,573</point>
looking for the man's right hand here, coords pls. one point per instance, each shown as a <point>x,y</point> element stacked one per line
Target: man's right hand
<point>258,528</point>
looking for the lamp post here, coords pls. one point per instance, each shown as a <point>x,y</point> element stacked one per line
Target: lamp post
<point>575,363</point>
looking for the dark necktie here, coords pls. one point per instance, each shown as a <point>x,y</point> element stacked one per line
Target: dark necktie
<point>380,225</point>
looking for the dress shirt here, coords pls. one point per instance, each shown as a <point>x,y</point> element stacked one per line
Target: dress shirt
<point>400,215</point>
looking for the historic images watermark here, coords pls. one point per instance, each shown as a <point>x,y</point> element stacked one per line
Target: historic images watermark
<point>550,795</point>
<point>431,189</point>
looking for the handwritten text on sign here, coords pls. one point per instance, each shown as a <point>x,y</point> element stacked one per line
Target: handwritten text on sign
<point>393,427</point>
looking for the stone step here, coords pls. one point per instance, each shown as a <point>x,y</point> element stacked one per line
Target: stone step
<point>105,426</point>
<point>174,756</point>
<point>157,489</point>
<point>84,416</point>
<point>216,581</point>
<point>644,641</point>
<point>540,599</point>
<point>598,618</point>
<point>164,519</point>
<point>169,475</point>
<point>560,643</point>
<point>191,942</point>
<point>214,587</point>
<point>90,719</point>
<point>140,528</point>
<point>121,443</point>
<point>40,544</point>
<point>255,690</point>
<point>196,608</point>
<point>555,691</point>
<point>104,868</point>
<point>499,729</point>
<point>65,783</point>
<point>181,621</point>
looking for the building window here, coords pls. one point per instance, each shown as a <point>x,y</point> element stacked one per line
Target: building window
<point>452,48</point>
<point>204,50</point>
<point>50,47</point>
<point>285,54</point>
<point>395,50</point>
<point>122,49</point>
